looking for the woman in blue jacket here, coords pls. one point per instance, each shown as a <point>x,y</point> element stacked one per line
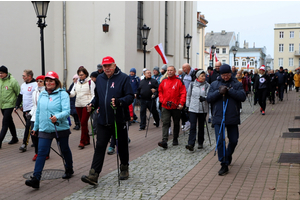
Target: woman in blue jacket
<point>53,107</point>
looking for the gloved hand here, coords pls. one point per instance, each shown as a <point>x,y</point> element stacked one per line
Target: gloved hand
<point>28,116</point>
<point>202,99</point>
<point>223,89</point>
<point>118,102</point>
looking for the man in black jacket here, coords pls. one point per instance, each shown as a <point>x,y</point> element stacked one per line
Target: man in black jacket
<point>113,91</point>
<point>216,72</point>
<point>282,82</point>
<point>230,90</point>
<point>147,92</point>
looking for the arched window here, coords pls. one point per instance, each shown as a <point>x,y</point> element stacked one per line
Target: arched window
<point>251,62</point>
<point>236,62</point>
<point>244,62</point>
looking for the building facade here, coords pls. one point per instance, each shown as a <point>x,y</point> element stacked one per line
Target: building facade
<point>287,45</point>
<point>201,24</point>
<point>74,36</point>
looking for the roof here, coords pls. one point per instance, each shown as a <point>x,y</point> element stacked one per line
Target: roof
<point>246,49</point>
<point>218,39</point>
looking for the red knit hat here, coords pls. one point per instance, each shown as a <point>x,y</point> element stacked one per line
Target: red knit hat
<point>40,77</point>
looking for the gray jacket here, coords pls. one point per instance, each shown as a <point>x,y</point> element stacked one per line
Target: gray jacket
<point>197,89</point>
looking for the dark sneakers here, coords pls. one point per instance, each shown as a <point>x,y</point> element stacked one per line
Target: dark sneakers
<point>124,172</point>
<point>34,182</point>
<point>92,178</point>
<point>200,146</point>
<point>163,144</point>
<point>23,148</point>
<point>189,147</point>
<point>14,141</point>
<point>68,174</point>
<point>175,141</point>
<point>223,171</point>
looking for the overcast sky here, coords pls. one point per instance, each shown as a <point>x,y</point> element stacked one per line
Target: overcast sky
<point>254,20</point>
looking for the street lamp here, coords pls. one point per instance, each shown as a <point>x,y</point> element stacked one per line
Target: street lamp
<point>255,63</point>
<point>213,48</point>
<point>234,50</point>
<point>41,8</point>
<point>145,32</point>
<point>188,39</point>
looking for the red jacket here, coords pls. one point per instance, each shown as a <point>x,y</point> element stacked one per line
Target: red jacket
<point>172,90</point>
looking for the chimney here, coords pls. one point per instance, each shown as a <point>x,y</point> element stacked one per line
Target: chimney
<point>212,32</point>
<point>223,32</point>
<point>253,44</point>
<point>244,44</point>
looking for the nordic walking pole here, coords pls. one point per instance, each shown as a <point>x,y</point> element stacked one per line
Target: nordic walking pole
<point>149,116</point>
<point>92,129</point>
<point>20,118</point>
<point>117,142</point>
<point>206,125</point>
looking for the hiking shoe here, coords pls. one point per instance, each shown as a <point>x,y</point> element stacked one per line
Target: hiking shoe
<point>81,146</point>
<point>110,150</point>
<point>141,129</point>
<point>175,142</point>
<point>68,174</point>
<point>189,147</point>
<point>124,174</point>
<point>23,148</point>
<point>223,171</point>
<point>261,109</point>
<point>34,182</point>
<point>163,144</point>
<point>77,127</point>
<point>200,146</point>
<point>34,157</point>
<point>91,179</point>
<point>263,112</point>
<point>14,141</point>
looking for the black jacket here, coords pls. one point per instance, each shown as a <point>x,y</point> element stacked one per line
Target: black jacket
<point>282,78</point>
<point>144,90</point>
<point>117,86</point>
<point>273,82</point>
<point>214,76</point>
<point>262,82</point>
<point>235,95</point>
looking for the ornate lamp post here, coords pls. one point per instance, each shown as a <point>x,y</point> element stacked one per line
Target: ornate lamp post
<point>213,48</point>
<point>188,39</point>
<point>234,51</point>
<point>41,8</point>
<point>145,32</point>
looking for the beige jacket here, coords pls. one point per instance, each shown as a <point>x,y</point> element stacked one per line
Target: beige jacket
<point>84,92</point>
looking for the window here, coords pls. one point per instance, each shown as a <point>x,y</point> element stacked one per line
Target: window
<point>236,62</point>
<point>281,34</point>
<point>291,62</point>
<point>291,34</point>
<point>166,27</point>
<point>280,62</point>
<point>223,61</point>
<point>223,50</point>
<point>251,62</point>
<point>291,47</point>
<point>244,62</point>
<point>280,47</point>
<point>217,50</point>
<point>139,25</point>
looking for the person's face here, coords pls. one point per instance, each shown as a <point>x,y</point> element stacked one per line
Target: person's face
<point>109,69</point>
<point>100,70</point>
<point>132,73</point>
<point>233,68</point>
<point>185,69</point>
<point>3,75</point>
<point>40,82</point>
<point>280,69</point>
<point>171,71</point>
<point>82,75</point>
<point>261,71</point>
<point>25,77</point>
<point>50,84</point>
<point>162,72</point>
<point>226,76</point>
<point>93,79</point>
<point>201,78</point>
<point>246,74</point>
<point>155,72</point>
<point>209,71</point>
<point>147,74</point>
<point>179,72</point>
<point>217,67</point>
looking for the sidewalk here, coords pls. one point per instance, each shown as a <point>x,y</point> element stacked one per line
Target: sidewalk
<point>174,173</point>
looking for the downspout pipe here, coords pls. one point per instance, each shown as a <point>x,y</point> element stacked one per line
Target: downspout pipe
<point>64,47</point>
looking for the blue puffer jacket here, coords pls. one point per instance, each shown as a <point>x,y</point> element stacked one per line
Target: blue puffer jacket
<point>58,104</point>
<point>118,86</point>
<point>235,95</point>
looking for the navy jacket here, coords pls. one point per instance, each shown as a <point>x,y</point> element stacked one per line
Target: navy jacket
<point>144,91</point>
<point>213,76</point>
<point>235,95</point>
<point>135,82</point>
<point>118,86</point>
<point>282,77</point>
<point>72,102</point>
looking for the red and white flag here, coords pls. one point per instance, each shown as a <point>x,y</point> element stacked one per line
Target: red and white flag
<point>160,50</point>
<point>248,65</point>
<point>216,58</point>
<point>210,54</point>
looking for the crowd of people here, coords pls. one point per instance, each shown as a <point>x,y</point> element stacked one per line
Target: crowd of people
<point>108,98</point>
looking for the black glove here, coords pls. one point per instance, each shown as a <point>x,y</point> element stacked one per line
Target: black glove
<point>202,99</point>
<point>118,102</point>
<point>223,89</point>
<point>153,96</point>
<point>28,116</point>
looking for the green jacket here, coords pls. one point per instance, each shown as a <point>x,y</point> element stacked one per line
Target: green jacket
<point>9,91</point>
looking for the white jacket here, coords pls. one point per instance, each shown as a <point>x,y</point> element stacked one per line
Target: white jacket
<point>35,98</point>
<point>84,92</point>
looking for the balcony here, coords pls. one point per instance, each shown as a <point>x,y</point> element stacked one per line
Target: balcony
<point>297,54</point>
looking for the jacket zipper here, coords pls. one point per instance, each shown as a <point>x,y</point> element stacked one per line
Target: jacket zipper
<point>105,101</point>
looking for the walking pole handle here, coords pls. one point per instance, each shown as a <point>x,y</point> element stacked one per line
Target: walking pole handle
<point>55,123</point>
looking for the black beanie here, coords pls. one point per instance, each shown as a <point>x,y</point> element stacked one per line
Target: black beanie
<point>94,74</point>
<point>225,69</point>
<point>3,69</point>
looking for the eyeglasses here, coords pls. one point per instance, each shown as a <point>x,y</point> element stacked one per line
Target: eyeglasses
<point>226,75</point>
<point>40,81</point>
<point>81,74</point>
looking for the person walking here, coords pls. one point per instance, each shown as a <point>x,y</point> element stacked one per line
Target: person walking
<point>157,76</point>
<point>73,111</point>
<point>25,97</point>
<point>147,92</point>
<point>135,82</point>
<point>84,91</point>
<point>261,85</point>
<point>216,72</point>
<point>172,96</point>
<point>113,95</point>
<point>282,82</point>
<point>9,90</point>
<point>198,108</point>
<point>297,80</point>
<point>53,107</point>
<point>226,89</point>
<point>272,87</point>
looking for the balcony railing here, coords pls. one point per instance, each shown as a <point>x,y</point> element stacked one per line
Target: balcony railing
<point>297,53</point>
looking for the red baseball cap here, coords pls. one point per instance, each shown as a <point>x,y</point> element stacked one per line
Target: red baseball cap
<point>40,77</point>
<point>52,75</point>
<point>107,60</point>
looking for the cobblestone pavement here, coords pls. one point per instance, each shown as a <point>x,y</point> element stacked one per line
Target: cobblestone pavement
<point>156,172</point>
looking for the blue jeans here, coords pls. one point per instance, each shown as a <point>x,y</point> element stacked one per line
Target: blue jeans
<point>233,136</point>
<point>44,149</point>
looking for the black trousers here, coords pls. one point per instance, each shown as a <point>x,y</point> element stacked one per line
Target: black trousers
<point>262,97</point>
<point>7,123</point>
<point>281,91</point>
<point>103,136</point>
<point>194,117</point>
<point>27,128</point>
<point>148,104</point>
<point>272,95</point>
